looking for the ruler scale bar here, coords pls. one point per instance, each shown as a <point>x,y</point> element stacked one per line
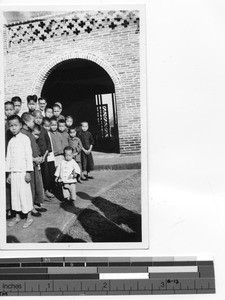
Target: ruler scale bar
<point>173,269</point>
<point>105,276</point>
<point>174,275</point>
<point>123,276</point>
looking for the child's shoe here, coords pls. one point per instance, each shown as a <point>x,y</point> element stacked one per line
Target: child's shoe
<point>71,202</point>
<point>49,195</point>
<point>9,214</point>
<point>41,209</point>
<point>28,223</point>
<point>14,222</point>
<point>78,180</point>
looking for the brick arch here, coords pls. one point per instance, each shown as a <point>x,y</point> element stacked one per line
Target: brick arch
<point>49,67</point>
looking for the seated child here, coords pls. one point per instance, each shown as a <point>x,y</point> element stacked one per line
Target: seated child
<point>56,112</point>
<point>31,103</point>
<point>17,105</point>
<point>87,141</point>
<point>76,144</point>
<point>49,112</point>
<point>66,173</point>
<point>56,141</point>
<point>19,167</point>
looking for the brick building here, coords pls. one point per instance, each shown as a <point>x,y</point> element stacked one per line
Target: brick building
<point>90,62</point>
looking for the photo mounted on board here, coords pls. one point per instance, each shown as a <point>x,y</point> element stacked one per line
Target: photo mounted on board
<point>75,128</point>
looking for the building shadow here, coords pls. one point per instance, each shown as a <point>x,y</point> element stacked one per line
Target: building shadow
<point>12,239</point>
<point>118,214</point>
<point>55,235</point>
<point>101,229</point>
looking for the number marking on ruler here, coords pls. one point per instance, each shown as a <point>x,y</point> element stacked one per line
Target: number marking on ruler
<point>105,276</point>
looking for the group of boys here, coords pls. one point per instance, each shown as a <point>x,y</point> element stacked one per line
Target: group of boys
<point>56,156</point>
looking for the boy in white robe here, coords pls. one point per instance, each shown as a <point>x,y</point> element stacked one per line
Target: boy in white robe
<point>19,164</point>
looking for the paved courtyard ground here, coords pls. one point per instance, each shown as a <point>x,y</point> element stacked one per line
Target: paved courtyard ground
<point>108,209</point>
<point>114,216</point>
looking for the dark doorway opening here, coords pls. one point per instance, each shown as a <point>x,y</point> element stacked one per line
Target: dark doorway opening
<point>86,92</point>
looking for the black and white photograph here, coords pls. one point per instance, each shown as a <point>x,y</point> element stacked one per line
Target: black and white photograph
<point>75,150</point>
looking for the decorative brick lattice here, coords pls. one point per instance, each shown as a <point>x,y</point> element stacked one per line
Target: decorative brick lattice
<point>72,24</point>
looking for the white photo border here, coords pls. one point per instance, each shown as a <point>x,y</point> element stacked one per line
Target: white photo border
<point>144,136</point>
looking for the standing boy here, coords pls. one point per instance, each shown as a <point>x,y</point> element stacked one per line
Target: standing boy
<point>69,122</point>
<point>56,141</point>
<point>50,158</point>
<point>64,134</point>
<point>87,141</point>
<point>17,105</point>
<point>76,144</point>
<point>57,112</point>
<point>19,167</point>
<point>36,178</point>
<point>42,105</point>
<point>49,112</point>
<point>31,103</point>
<point>9,111</point>
<point>44,144</point>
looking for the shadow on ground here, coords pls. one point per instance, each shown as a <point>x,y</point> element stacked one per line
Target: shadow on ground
<point>84,196</point>
<point>101,229</point>
<point>105,221</point>
<point>54,234</point>
<point>12,239</point>
<point>118,214</point>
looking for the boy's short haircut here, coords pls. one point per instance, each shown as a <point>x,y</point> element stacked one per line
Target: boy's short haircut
<point>41,98</point>
<point>15,117</point>
<point>46,119</point>
<point>62,121</point>
<point>84,122</point>
<point>72,128</point>
<point>16,99</point>
<point>32,98</point>
<point>53,119</point>
<point>36,112</point>
<point>9,103</point>
<point>36,127</point>
<point>56,105</point>
<point>68,148</point>
<point>26,116</point>
<point>46,108</point>
<point>59,104</point>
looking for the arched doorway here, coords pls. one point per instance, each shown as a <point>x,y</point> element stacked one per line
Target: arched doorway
<point>87,92</point>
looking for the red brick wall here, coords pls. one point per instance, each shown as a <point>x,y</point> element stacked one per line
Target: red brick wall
<point>27,64</point>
